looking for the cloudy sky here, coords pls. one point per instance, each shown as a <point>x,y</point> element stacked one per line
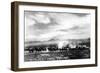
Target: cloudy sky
<point>44,26</point>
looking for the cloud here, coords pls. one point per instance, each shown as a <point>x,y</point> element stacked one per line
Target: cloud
<point>43,26</point>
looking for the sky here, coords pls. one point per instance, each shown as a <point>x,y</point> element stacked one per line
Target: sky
<point>45,26</point>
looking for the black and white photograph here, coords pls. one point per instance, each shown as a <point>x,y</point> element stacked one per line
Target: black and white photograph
<point>56,36</point>
<point>53,36</point>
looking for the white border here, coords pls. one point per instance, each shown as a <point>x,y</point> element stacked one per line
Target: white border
<point>23,64</point>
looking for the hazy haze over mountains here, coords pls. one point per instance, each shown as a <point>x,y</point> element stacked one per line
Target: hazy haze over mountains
<point>45,26</point>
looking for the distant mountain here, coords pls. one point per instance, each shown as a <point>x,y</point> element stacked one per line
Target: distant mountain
<point>54,40</point>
